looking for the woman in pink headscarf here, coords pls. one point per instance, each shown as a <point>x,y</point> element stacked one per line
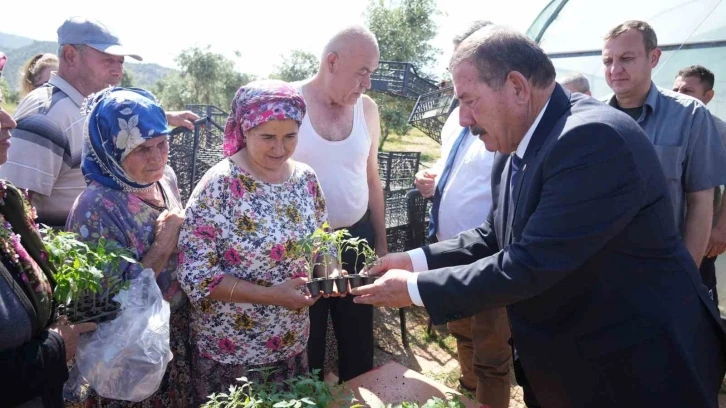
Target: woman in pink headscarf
<point>248,294</point>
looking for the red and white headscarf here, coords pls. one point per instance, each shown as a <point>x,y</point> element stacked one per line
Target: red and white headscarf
<point>257,103</point>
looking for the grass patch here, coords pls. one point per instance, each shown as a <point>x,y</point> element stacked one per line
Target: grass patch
<point>9,107</point>
<point>448,378</point>
<point>439,337</point>
<point>414,141</point>
<point>444,340</point>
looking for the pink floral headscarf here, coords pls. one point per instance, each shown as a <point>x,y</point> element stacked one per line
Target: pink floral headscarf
<point>255,104</point>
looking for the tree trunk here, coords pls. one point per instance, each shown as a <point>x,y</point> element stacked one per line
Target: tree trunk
<point>384,135</point>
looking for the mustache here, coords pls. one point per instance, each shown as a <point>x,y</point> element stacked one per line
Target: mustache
<point>476,130</point>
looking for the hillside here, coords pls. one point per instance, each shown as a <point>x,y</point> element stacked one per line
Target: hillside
<point>20,49</point>
<point>11,41</point>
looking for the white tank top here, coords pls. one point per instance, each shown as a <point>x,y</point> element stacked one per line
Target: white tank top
<point>341,167</point>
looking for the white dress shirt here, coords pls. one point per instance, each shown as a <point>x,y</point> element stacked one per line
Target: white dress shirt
<point>467,196</point>
<point>418,257</point>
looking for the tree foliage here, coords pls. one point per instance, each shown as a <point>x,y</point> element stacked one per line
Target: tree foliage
<point>404,30</point>
<point>9,96</point>
<point>205,77</point>
<point>127,81</point>
<point>394,112</point>
<point>296,66</point>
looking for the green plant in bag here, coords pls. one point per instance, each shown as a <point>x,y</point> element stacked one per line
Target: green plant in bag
<point>83,267</point>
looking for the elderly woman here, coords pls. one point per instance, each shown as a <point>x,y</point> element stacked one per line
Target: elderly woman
<point>249,302</point>
<point>33,347</point>
<point>132,200</point>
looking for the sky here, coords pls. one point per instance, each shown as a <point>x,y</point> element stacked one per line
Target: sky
<point>261,31</point>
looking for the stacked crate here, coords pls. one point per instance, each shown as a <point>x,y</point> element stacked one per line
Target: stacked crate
<point>397,171</point>
<point>192,153</point>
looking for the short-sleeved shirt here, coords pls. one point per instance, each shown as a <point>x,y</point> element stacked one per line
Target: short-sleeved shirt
<point>721,127</point>
<point>687,143</point>
<point>45,155</point>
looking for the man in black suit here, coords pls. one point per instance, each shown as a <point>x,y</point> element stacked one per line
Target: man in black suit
<point>605,301</point>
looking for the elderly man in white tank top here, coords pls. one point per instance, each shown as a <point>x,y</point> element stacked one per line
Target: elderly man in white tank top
<point>339,140</point>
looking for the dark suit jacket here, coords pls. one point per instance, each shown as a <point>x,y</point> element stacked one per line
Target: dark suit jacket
<point>605,302</point>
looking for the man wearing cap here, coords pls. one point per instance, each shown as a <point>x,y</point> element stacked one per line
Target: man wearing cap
<point>45,156</point>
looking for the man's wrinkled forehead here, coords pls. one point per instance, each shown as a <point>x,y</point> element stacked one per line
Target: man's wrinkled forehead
<point>629,41</point>
<point>465,76</point>
<point>362,54</point>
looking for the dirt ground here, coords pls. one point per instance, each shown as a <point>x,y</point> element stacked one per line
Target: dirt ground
<point>432,355</point>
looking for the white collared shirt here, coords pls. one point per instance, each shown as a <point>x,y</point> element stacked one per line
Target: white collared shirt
<point>467,196</point>
<point>418,257</point>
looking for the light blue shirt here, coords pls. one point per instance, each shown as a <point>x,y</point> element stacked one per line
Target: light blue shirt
<point>687,143</point>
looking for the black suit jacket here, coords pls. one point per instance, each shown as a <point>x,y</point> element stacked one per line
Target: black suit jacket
<point>605,302</point>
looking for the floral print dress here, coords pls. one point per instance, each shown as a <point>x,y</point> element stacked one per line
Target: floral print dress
<point>124,219</point>
<point>240,226</point>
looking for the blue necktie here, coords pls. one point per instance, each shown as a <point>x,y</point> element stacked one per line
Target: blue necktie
<point>514,166</point>
<point>516,162</point>
<point>434,219</point>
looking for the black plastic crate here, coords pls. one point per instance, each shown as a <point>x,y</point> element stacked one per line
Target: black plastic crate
<point>191,154</point>
<point>181,159</point>
<point>419,209</point>
<point>431,111</point>
<point>400,79</point>
<point>398,169</point>
<point>397,238</point>
<point>396,208</point>
<point>213,113</point>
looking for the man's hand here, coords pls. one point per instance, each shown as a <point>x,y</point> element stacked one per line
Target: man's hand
<point>70,334</point>
<point>182,118</point>
<point>397,260</point>
<point>391,290</point>
<point>425,183</point>
<point>716,242</point>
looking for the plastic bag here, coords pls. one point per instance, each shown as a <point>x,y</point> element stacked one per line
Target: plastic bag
<point>126,358</point>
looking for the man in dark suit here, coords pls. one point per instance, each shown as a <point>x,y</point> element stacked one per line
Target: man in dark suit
<point>605,301</point>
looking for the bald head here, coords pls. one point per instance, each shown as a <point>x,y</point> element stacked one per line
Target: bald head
<point>349,40</point>
<point>346,66</point>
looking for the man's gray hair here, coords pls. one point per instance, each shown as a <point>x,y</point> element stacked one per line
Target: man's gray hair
<point>78,47</point>
<point>496,51</point>
<point>578,82</point>
<point>469,30</point>
<point>343,38</point>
